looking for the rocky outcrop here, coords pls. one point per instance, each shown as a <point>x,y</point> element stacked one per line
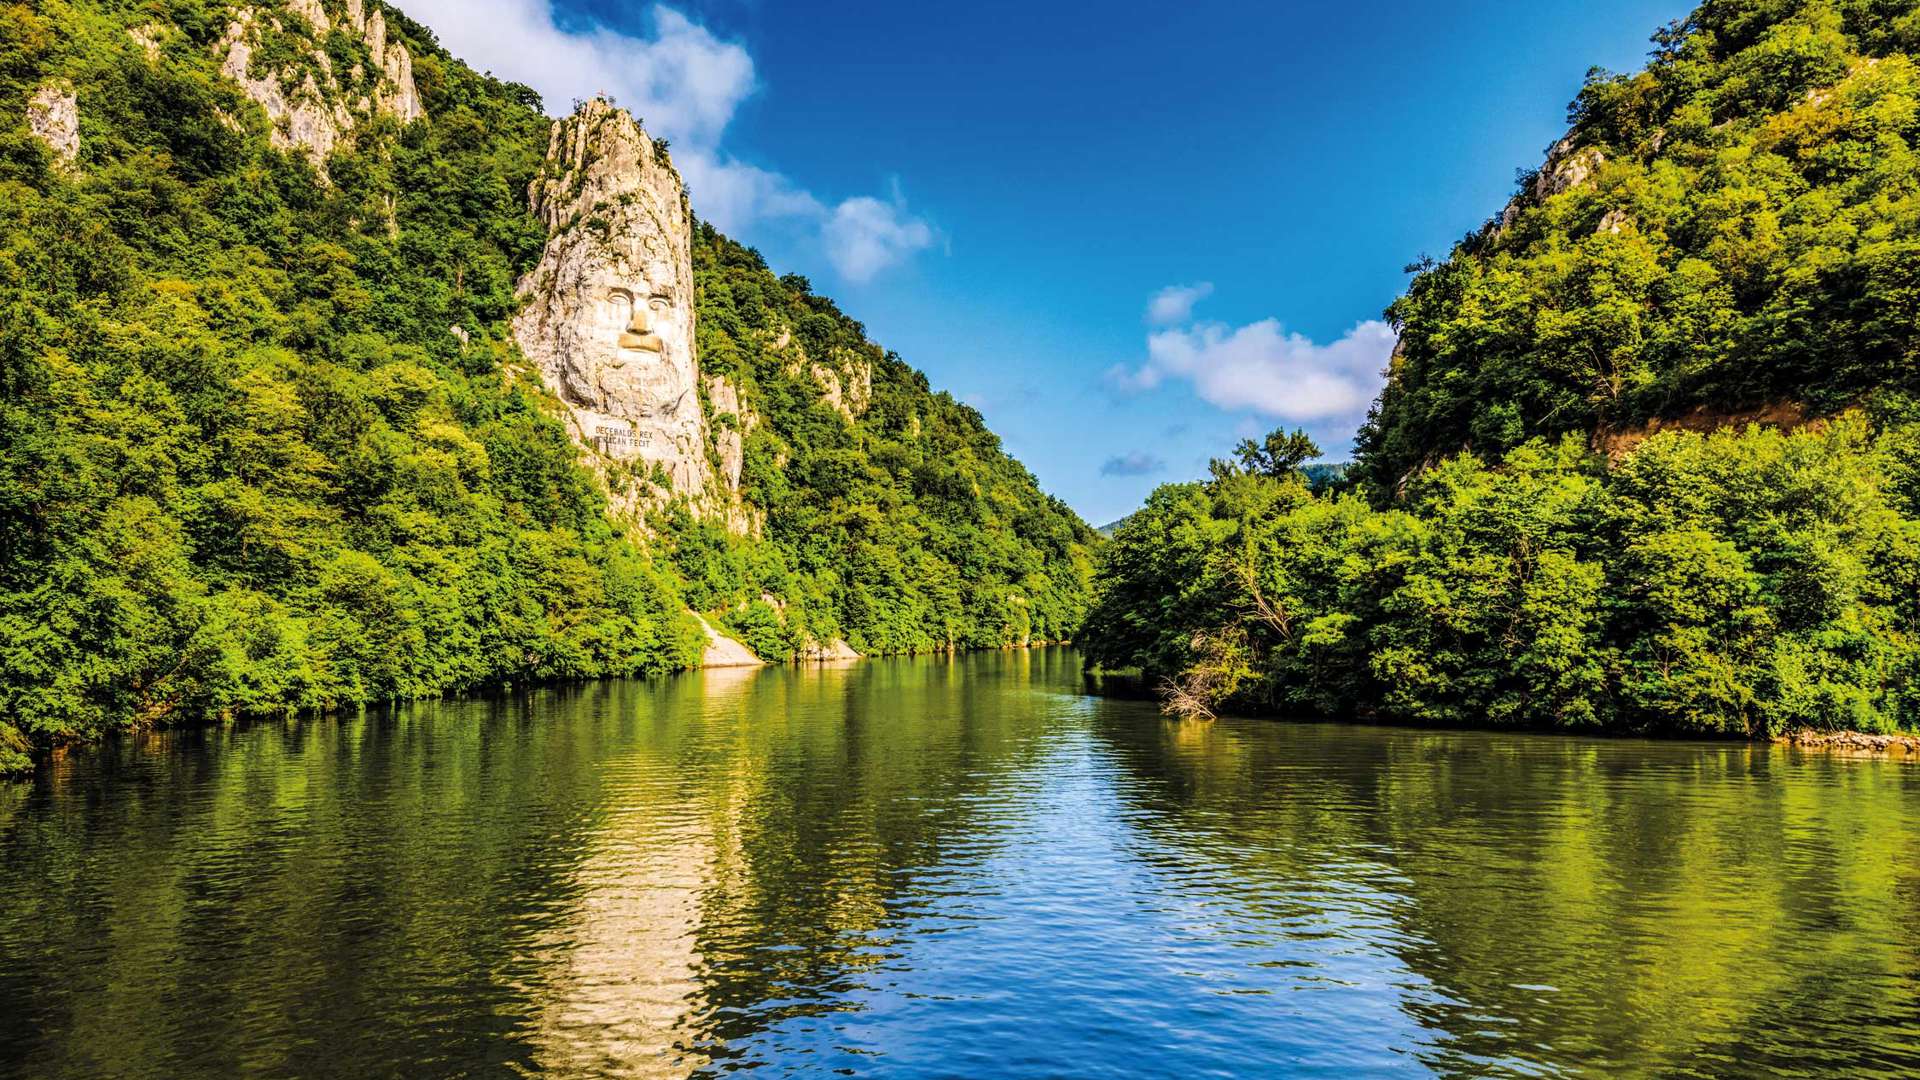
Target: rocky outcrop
<point>53,115</point>
<point>149,37</point>
<point>847,390</point>
<point>827,652</point>
<point>313,13</point>
<point>1854,744</point>
<point>395,94</point>
<point>1615,222</point>
<point>722,651</point>
<point>1566,168</point>
<point>309,108</point>
<point>732,422</point>
<point>609,314</point>
<point>1617,443</point>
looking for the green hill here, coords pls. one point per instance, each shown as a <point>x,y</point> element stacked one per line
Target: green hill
<point>1647,458</point>
<point>267,445</point>
<point>1732,232</point>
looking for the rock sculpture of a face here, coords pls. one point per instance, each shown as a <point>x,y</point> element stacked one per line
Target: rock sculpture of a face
<point>609,319</point>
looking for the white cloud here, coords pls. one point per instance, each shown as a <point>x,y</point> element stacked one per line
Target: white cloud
<point>1174,304</point>
<point>736,196</point>
<point>866,236</point>
<point>682,82</point>
<point>1262,368</point>
<point>685,84</point>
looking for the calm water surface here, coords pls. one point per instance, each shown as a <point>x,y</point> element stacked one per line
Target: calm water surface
<point>961,868</point>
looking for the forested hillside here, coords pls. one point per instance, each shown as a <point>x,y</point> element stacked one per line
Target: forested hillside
<point>1543,527</point>
<point>892,517</point>
<point>1734,229</point>
<point>266,446</point>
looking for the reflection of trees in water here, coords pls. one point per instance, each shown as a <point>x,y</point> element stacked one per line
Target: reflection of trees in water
<point>287,898</point>
<point>869,775</point>
<point>615,878</point>
<point>751,869</point>
<point>1680,901</point>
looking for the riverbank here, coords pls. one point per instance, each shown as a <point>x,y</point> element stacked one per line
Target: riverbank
<point>1854,744</point>
<point>20,757</point>
<point>1132,685</point>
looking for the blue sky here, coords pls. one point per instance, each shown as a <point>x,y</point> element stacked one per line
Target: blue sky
<point>1129,233</point>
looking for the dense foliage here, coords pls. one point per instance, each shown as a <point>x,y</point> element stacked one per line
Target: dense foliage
<point>894,520</point>
<point>1736,226</point>
<point>244,465</point>
<point>1732,233</point>
<point>1743,582</point>
<point>262,447</point>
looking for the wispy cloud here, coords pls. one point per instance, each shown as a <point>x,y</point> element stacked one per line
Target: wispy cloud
<point>1137,463</point>
<point>1174,304</point>
<point>1260,367</point>
<point>685,84</point>
<point>865,235</point>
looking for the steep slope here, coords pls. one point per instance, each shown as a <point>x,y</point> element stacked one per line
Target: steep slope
<point>1732,233</point>
<point>892,517</point>
<point>327,379</point>
<point>1614,480</point>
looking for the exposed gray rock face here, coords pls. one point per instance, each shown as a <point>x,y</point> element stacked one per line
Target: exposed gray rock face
<point>53,115</point>
<point>1566,169</point>
<point>315,116</point>
<point>847,390</point>
<point>149,37</point>
<point>311,11</point>
<point>731,424</point>
<point>723,651</point>
<point>828,652</point>
<point>396,95</point>
<point>609,317</point>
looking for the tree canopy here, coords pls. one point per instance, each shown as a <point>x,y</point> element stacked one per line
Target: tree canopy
<point>266,445</point>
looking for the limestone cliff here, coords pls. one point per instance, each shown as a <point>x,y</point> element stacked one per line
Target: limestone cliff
<point>609,313</point>
<point>53,115</point>
<point>311,106</point>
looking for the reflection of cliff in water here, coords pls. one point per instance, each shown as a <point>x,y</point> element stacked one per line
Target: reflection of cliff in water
<point>191,918</point>
<point>1618,902</point>
<point>792,811</point>
<point>585,879</point>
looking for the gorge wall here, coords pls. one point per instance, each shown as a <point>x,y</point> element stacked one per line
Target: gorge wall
<point>270,265</point>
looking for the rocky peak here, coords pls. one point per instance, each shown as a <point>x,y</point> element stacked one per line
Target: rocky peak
<point>846,389</point>
<point>310,110</point>
<point>609,314</point>
<point>1567,168</point>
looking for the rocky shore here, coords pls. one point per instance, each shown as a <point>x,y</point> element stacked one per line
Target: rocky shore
<point>1854,743</point>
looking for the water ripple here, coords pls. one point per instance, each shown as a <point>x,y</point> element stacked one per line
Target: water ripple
<point>947,867</point>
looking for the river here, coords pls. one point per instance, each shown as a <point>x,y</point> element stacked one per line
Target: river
<point>951,867</point>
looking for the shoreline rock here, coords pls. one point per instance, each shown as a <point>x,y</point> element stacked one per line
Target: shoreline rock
<point>724,652</point>
<point>1854,744</point>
